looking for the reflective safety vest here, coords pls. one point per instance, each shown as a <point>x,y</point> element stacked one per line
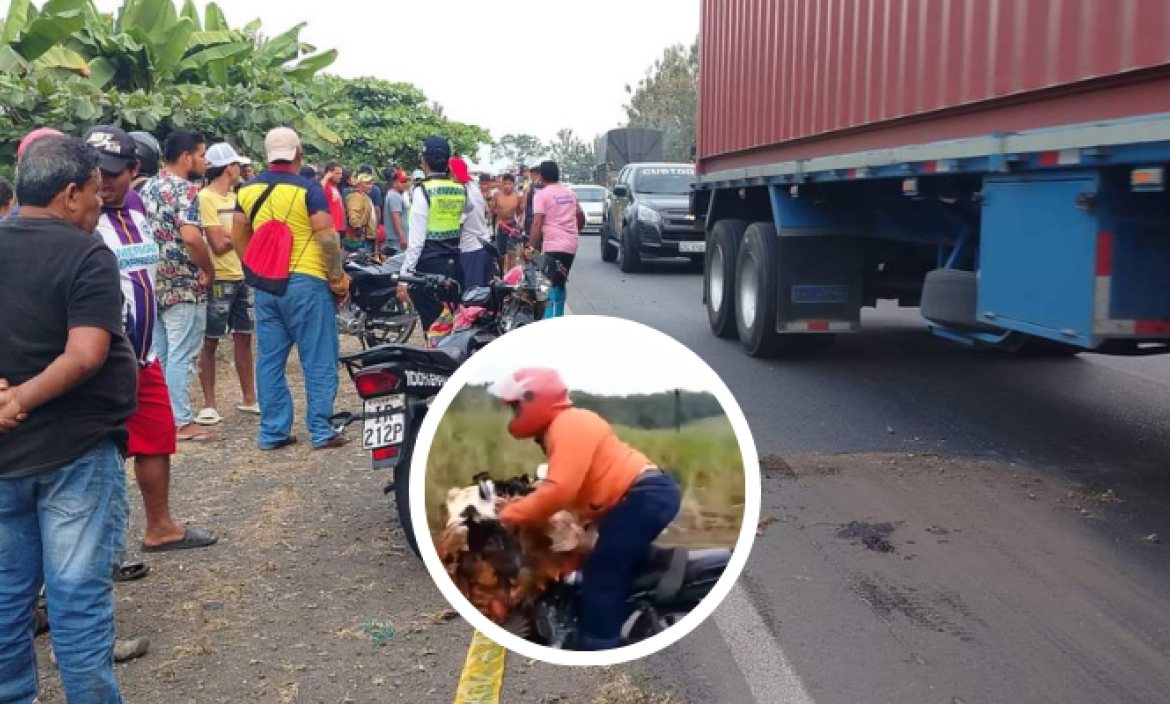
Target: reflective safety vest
<point>446,200</point>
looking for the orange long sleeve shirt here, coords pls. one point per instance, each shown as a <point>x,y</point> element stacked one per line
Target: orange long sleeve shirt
<point>589,470</point>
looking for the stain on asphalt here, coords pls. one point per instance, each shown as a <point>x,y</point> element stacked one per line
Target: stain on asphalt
<point>874,536</point>
<point>775,464</point>
<point>935,611</point>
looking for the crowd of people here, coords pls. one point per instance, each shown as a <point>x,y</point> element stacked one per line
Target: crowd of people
<point>126,262</point>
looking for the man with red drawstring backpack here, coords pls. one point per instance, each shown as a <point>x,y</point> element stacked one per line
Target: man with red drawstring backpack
<point>602,480</point>
<point>296,272</point>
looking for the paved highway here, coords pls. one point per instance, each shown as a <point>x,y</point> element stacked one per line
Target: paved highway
<point>1020,497</point>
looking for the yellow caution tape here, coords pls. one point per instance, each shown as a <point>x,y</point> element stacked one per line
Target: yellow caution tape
<point>483,672</point>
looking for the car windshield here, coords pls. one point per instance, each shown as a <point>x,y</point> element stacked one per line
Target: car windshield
<point>665,180</point>
<point>590,195</point>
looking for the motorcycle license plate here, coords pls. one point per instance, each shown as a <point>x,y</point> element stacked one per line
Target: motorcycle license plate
<point>692,247</point>
<point>385,423</point>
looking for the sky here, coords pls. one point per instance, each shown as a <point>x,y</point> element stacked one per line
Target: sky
<point>598,366</point>
<point>484,70</point>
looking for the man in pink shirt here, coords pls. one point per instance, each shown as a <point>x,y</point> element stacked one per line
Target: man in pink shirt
<point>556,228</point>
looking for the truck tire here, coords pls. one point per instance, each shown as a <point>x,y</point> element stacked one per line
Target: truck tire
<point>719,276</point>
<point>755,290</point>
<point>609,252</point>
<point>629,256</point>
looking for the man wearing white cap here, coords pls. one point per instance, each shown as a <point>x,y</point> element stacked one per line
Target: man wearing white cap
<point>303,313</point>
<point>229,299</point>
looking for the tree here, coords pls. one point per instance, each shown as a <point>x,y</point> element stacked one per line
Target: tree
<point>153,68</point>
<point>519,149</point>
<point>385,123</point>
<point>667,99</point>
<point>574,156</point>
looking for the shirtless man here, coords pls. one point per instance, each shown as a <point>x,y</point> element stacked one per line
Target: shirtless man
<point>507,208</point>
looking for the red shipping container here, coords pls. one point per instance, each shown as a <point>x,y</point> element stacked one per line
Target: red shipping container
<point>782,80</point>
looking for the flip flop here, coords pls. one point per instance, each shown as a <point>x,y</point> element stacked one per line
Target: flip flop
<point>209,416</point>
<point>201,437</point>
<point>192,538</point>
<point>131,571</point>
<point>254,409</point>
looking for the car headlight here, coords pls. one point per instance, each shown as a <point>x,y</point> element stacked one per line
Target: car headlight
<point>649,216</point>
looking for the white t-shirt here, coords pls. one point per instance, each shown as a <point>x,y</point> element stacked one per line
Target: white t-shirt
<point>475,226</point>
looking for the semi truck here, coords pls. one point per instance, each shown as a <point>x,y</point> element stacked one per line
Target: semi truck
<point>1001,166</point>
<point>621,147</point>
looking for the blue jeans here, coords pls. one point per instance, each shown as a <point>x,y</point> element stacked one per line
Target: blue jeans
<point>304,316</point>
<point>624,538</point>
<point>178,338</point>
<point>68,525</point>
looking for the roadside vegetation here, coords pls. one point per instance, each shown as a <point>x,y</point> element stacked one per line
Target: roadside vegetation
<point>703,456</point>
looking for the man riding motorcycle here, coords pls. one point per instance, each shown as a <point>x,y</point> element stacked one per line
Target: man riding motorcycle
<point>592,473</point>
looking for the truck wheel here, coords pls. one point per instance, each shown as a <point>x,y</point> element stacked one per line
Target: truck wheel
<point>719,276</point>
<point>609,252</point>
<point>629,257</point>
<point>755,290</point>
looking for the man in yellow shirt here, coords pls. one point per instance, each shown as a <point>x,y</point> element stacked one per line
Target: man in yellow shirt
<point>229,301</point>
<point>304,315</point>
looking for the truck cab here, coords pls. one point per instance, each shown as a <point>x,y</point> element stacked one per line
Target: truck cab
<point>647,215</point>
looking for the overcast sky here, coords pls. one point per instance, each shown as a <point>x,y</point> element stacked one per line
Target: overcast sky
<point>476,58</point>
<point>599,366</point>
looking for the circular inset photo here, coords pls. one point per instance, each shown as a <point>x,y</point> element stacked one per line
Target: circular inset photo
<point>585,491</point>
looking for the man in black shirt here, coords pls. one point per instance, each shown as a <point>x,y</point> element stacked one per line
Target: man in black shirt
<point>70,384</point>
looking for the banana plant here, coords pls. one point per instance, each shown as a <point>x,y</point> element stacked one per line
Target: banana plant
<point>32,40</point>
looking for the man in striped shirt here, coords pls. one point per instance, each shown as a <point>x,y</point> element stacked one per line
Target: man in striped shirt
<point>124,228</point>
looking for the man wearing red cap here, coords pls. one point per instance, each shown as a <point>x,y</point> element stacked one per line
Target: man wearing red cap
<point>21,149</point>
<point>478,263</point>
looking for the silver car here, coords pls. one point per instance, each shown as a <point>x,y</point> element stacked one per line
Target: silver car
<point>592,200</point>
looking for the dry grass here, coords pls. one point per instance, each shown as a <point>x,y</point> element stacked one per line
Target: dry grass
<point>704,457</point>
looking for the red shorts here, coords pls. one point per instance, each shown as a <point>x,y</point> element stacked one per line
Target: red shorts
<point>152,427</point>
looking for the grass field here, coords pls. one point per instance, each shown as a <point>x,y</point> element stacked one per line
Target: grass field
<point>704,458</point>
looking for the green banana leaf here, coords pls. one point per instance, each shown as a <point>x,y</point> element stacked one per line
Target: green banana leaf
<point>192,13</point>
<point>309,66</point>
<point>101,71</point>
<point>213,19</point>
<point>19,16</point>
<point>169,53</point>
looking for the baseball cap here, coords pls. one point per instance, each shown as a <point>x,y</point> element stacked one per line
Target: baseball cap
<point>459,170</point>
<point>437,147</point>
<point>418,175</point>
<point>363,178</point>
<point>116,148</point>
<point>401,177</point>
<point>281,144</point>
<point>223,154</point>
<point>34,136</point>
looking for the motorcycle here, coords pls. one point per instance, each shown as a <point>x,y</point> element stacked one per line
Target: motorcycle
<point>670,583</point>
<point>372,312</point>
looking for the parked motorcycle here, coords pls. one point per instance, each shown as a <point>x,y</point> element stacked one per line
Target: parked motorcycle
<point>372,312</point>
<point>669,585</point>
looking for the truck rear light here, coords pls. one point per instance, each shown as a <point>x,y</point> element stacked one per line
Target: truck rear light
<point>1151,180</point>
<point>378,382</point>
<point>385,453</point>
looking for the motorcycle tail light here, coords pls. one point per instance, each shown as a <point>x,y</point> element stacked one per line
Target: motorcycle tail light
<point>378,382</point>
<point>385,453</point>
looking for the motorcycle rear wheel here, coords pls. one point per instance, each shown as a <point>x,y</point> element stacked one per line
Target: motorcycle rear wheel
<point>402,490</point>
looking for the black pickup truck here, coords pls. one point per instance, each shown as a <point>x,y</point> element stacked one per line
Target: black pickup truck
<point>647,214</point>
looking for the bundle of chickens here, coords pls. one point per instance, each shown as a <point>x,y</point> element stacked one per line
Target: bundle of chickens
<point>502,570</point>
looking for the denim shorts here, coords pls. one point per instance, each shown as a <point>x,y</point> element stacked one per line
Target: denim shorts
<point>229,308</point>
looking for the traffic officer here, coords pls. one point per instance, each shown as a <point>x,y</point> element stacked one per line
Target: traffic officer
<point>437,207</point>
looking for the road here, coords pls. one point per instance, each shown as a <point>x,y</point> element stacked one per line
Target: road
<point>1020,496</point>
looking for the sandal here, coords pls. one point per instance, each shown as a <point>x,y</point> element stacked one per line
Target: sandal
<point>200,436</point>
<point>192,538</point>
<point>254,409</point>
<point>209,416</point>
<point>131,571</point>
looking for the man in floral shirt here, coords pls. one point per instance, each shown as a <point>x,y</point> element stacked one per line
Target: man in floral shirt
<point>185,270</point>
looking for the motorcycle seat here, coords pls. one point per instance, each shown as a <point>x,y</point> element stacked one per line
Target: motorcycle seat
<point>392,354</point>
<point>667,569</point>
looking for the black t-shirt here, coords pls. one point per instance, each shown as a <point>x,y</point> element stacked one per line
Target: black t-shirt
<point>54,277</point>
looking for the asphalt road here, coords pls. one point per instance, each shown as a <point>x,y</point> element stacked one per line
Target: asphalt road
<point>1015,577</point>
